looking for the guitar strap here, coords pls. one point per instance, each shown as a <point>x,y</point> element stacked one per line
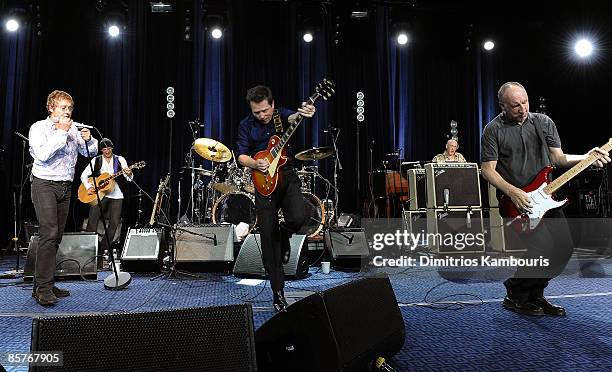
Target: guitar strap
<point>278,124</point>
<point>543,140</point>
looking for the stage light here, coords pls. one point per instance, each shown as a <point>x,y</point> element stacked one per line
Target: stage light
<point>216,33</point>
<point>307,37</point>
<point>12,25</point>
<point>402,38</point>
<point>488,45</point>
<point>583,48</point>
<point>113,30</point>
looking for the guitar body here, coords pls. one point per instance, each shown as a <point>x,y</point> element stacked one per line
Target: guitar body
<point>266,182</point>
<point>105,185</point>
<point>541,203</point>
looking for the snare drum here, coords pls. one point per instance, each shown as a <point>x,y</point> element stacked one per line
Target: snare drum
<point>234,208</point>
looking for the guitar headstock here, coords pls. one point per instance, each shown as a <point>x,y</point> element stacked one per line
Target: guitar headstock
<point>326,88</point>
<point>139,165</point>
<point>164,183</point>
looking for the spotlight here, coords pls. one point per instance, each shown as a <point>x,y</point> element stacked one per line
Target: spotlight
<point>216,33</point>
<point>583,48</point>
<point>488,45</point>
<point>402,38</point>
<point>113,30</point>
<point>12,25</point>
<point>307,37</point>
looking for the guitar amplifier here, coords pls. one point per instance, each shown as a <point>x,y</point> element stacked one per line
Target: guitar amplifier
<point>455,183</point>
<point>142,249</point>
<point>455,231</point>
<point>418,189</point>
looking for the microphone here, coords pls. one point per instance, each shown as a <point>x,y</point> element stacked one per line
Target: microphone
<point>468,219</point>
<point>21,136</point>
<point>81,126</point>
<point>446,198</point>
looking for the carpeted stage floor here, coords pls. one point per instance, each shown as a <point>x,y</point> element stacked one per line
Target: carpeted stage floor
<point>453,319</point>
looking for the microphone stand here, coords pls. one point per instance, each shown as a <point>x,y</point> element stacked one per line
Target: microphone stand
<point>119,279</point>
<point>337,166</point>
<point>17,202</point>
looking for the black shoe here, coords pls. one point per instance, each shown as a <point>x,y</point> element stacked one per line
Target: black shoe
<point>279,302</point>
<point>548,308</point>
<point>58,292</point>
<point>525,307</point>
<point>45,298</point>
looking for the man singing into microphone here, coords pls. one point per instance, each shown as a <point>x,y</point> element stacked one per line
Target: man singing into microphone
<point>55,143</point>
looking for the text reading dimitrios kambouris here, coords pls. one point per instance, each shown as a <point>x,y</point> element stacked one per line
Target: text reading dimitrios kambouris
<point>406,261</point>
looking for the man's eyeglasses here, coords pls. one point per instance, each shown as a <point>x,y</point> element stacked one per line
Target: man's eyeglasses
<point>66,108</point>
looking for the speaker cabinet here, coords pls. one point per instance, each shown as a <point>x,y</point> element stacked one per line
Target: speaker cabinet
<point>79,247</point>
<point>342,329</point>
<point>418,187</point>
<point>207,243</point>
<point>347,243</point>
<point>455,231</point>
<point>212,339</point>
<point>460,180</point>
<point>142,249</point>
<point>249,261</point>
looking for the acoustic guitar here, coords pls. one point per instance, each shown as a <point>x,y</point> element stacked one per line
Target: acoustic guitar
<point>105,184</point>
<point>265,182</point>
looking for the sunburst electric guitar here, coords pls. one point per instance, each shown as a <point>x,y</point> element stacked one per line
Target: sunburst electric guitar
<point>541,194</point>
<point>265,182</point>
<point>105,184</point>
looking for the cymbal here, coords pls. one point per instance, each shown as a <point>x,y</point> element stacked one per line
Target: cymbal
<point>212,149</point>
<point>315,153</point>
<point>202,171</point>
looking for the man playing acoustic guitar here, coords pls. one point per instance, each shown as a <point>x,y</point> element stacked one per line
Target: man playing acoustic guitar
<point>112,202</point>
<point>254,132</point>
<point>516,146</point>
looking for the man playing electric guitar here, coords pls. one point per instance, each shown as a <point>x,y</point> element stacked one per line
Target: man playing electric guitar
<point>516,146</point>
<point>254,132</point>
<point>112,203</point>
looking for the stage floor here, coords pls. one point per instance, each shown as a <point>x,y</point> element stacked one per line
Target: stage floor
<point>453,317</point>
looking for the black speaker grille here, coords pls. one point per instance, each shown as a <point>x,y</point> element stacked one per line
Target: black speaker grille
<point>198,339</point>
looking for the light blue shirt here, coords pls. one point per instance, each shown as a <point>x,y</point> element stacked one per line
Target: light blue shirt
<point>55,151</point>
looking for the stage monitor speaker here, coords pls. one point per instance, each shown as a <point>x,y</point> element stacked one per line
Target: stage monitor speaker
<point>350,243</point>
<point>342,329</point>
<point>249,262</point>
<point>455,231</point>
<point>142,249</point>
<point>76,256</point>
<point>418,189</point>
<point>459,181</point>
<point>212,339</point>
<point>197,243</point>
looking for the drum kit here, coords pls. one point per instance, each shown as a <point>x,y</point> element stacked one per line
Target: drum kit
<point>229,196</point>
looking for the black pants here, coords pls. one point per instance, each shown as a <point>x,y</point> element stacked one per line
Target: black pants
<point>51,201</point>
<point>112,210</point>
<point>275,240</point>
<point>550,240</point>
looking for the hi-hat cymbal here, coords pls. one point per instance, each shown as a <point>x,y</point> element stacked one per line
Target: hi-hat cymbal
<point>315,153</point>
<point>202,171</point>
<point>211,149</point>
<point>224,187</point>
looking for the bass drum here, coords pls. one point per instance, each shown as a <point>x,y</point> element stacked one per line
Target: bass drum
<point>234,208</point>
<point>314,215</point>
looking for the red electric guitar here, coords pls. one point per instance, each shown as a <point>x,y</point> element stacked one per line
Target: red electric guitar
<point>265,182</point>
<point>541,194</point>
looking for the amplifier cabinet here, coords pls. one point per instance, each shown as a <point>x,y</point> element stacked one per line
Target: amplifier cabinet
<point>418,189</point>
<point>455,231</point>
<point>460,182</point>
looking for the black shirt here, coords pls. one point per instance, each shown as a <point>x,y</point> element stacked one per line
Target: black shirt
<point>518,150</point>
<point>253,135</point>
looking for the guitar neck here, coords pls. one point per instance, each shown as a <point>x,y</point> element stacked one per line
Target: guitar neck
<point>291,129</point>
<point>575,170</point>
